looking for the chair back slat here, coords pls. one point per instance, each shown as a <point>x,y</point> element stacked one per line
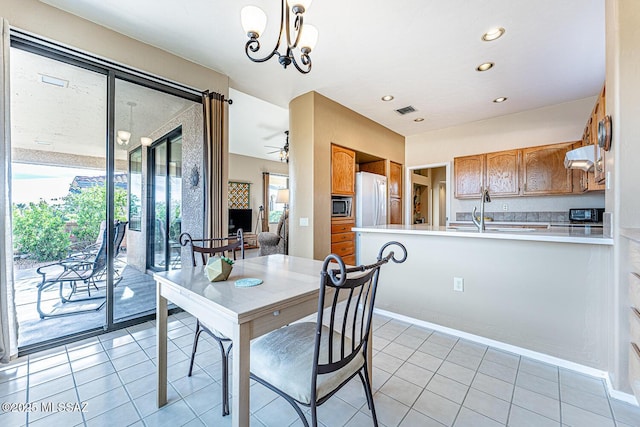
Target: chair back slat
<point>224,246</point>
<point>350,311</point>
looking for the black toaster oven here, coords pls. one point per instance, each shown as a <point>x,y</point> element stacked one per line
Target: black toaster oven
<point>586,215</point>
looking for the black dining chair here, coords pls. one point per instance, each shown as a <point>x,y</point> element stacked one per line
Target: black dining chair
<point>306,363</point>
<point>225,246</point>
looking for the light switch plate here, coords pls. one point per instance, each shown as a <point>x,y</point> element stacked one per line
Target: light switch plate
<point>304,222</point>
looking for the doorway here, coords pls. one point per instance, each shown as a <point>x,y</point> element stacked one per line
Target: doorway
<point>429,202</point>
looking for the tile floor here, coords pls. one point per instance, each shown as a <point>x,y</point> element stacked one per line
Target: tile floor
<point>421,378</point>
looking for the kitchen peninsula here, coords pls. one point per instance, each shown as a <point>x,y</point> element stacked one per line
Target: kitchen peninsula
<point>543,291</point>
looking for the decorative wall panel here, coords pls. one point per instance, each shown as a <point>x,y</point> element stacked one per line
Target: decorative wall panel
<point>239,195</point>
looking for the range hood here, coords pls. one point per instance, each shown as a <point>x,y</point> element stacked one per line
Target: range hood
<point>582,158</point>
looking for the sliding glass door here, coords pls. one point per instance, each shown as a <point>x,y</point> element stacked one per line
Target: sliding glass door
<point>97,174</point>
<point>59,154</point>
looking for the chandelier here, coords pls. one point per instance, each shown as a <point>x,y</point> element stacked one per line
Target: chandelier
<point>254,21</point>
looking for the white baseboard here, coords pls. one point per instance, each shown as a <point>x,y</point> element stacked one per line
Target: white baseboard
<point>616,394</point>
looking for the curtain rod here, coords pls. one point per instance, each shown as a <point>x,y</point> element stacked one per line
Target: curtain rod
<point>217,96</point>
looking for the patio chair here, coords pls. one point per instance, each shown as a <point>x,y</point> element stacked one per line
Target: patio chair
<point>306,363</point>
<point>84,250</point>
<point>226,246</point>
<point>70,272</point>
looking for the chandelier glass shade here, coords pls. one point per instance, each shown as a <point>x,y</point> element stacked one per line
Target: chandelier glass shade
<point>123,137</point>
<point>303,37</point>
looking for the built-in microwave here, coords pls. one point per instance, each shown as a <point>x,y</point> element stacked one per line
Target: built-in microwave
<point>341,206</point>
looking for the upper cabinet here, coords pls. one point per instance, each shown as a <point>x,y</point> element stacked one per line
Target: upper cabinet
<point>502,173</point>
<point>543,170</point>
<point>343,170</point>
<point>395,193</point>
<point>395,180</point>
<point>532,171</point>
<point>599,111</point>
<point>469,176</point>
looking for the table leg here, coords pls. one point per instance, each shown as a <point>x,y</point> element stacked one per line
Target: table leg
<point>241,365</point>
<point>161,346</point>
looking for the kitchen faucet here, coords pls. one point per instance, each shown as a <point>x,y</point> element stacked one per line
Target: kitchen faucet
<point>485,198</point>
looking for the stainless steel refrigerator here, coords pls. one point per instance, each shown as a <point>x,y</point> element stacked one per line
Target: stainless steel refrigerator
<point>371,199</point>
<point>371,203</point>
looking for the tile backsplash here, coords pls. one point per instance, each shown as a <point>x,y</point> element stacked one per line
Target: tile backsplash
<point>551,217</point>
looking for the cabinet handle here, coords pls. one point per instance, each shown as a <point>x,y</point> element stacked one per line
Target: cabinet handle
<point>636,274</point>
<point>636,349</point>
<point>636,312</point>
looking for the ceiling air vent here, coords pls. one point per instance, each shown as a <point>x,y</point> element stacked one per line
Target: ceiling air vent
<point>405,110</point>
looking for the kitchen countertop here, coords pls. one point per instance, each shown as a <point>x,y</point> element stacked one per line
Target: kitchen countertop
<point>562,234</point>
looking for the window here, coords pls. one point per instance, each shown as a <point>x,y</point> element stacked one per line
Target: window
<point>276,182</point>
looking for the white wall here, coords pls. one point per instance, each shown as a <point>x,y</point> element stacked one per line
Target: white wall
<point>249,169</point>
<point>549,125</point>
<point>555,303</point>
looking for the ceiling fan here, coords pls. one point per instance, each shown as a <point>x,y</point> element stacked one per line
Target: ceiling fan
<point>284,151</point>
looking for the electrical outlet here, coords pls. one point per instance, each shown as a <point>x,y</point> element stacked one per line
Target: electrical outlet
<point>458,284</point>
<point>505,207</point>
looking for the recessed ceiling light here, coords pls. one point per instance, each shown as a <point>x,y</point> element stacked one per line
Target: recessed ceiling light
<point>387,98</point>
<point>419,119</point>
<point>499,100</point>
<point>53,81</point>
<point>492,34</point>
<point>485,66</point>
<point>40,142</point>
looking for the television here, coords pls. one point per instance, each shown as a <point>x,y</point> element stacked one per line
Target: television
<point>239,218</point>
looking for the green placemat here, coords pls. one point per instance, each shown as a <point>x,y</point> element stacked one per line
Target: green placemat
<point>247,282</point>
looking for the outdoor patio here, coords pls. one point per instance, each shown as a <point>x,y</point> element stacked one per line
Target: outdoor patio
<point>134,295</point>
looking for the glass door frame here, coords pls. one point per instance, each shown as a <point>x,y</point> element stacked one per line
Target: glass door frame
<point>46,48</point>
<point>151,192</point>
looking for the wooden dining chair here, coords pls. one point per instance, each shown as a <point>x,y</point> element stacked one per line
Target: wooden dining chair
<point>306,363</point>
<point>224,246</point>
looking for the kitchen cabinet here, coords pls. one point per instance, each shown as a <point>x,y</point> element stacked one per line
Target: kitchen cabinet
<point>395,179</point>
<point>502,176</point>
<point>377,167</point>
<point>343,171</point>
<point>543,171</point>
<point>632,243</point>
<point>395,193</point>
<point>532,171</point>
<point>469,176</point>
<point>343,241</point>
<point>395,211</point>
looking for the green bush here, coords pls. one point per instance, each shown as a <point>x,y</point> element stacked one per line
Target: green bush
<point>39,230</point>
<point>88,208</point>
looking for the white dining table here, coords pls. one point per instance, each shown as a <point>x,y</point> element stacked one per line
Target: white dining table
<point>288,293</point>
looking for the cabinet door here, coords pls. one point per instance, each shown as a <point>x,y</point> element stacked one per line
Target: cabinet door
<point>469,173</point>
<point>543,170</point>
<point>395,211</point>
<point>395,180</point>
<point>502,173</point>
<point>343,170</point>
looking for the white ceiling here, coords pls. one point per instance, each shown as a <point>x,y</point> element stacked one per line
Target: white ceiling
<point>424,52</point>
